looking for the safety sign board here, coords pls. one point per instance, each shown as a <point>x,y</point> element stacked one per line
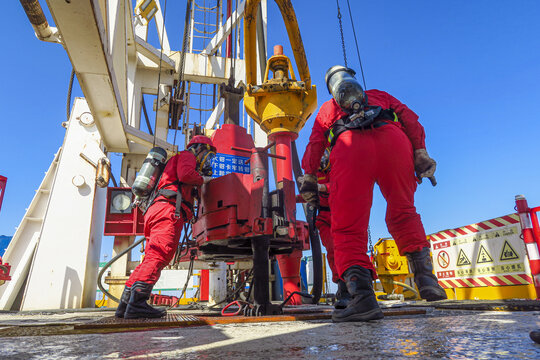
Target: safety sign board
<point>443,259</point>
<point>508,252</point>
<point>224,164</point>
<point>483,256</point>
<point>489,253</point>
<point>463,260</point>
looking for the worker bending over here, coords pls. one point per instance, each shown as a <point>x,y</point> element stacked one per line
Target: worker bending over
<point>170,208</point>
<point>323,224</point>
<point>374,139</point>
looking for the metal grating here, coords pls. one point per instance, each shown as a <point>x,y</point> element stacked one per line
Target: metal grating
<point>179,320</point>
<point>166,321</point>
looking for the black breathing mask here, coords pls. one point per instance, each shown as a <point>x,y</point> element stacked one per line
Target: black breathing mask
<point>325,161</point>
<point>205,166</point>
<point>204,155</point>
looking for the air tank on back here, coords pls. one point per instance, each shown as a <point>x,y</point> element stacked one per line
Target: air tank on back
<point>150,172</point>
<point>345,89</point>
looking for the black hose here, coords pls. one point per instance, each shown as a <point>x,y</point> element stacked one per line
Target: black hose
<point>303,294</point>
<point>107,265</point>
<point>316,253</point>
<point>113,179</point>
<point>314,240</point>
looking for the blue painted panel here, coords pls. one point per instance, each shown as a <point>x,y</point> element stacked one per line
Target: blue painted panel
<point>224,164</point>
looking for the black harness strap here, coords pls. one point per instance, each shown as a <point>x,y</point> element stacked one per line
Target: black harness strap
<point>170,196</point>
<point>178,210</point>
<point>374,117</point>
<point>155,162</point>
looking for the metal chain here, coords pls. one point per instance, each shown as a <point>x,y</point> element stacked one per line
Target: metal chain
<point>370,243</point>
<point>341,33</point>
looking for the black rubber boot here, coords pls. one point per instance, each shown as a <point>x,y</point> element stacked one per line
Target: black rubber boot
<point>422,268</point>
<point>124,299</point>
<point>138,306</point>
<point>342,295</point>
<point>535,336</point>
<point>363,305</point>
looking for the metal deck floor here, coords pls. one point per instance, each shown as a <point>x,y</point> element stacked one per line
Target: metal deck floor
<point>441,334</point>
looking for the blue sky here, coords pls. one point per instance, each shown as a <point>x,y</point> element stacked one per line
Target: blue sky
<point>470,69</point>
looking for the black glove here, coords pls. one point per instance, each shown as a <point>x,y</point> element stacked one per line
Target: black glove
<point>309,189</point>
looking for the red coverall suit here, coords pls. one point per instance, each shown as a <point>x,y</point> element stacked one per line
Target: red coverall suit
<point>323,223</point>
<point>161,228</point>
<point>360,158</point>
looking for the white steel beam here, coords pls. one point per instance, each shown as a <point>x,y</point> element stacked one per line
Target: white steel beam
<point>21,248</point>
<point>154,54</point>
<point>134,93</point>
<point>84,34</point>
<point>142,138</point>
<point>64,268</point>
<point>213,120</point>
<point>162,30</point>
<point>117,37</point>
<point>210,69</point>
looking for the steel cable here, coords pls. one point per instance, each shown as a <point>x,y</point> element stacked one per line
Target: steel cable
<point>159,71</point>
<point>180,86</point>
<point>70,89</point>
<point>357,49</point>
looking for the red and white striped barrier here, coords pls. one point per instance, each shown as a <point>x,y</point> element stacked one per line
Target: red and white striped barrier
<point>474,228</point>
<point>532,242</point>
<point>488,253</point>
<point>522,279</point>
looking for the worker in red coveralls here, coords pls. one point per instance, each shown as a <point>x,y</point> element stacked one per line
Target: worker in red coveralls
<point>169,209</point>
<point>374,139</point>
<point>323,224</point>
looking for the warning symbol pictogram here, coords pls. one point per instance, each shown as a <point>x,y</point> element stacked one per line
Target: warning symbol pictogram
<point>508,253</point>
<point>462,259</point>
<point>443,259</point>
<point>483,256</point>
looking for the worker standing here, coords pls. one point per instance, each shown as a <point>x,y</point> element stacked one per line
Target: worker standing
<point>375,139</point>
<point>323,224</point>
<point>169,208</point>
